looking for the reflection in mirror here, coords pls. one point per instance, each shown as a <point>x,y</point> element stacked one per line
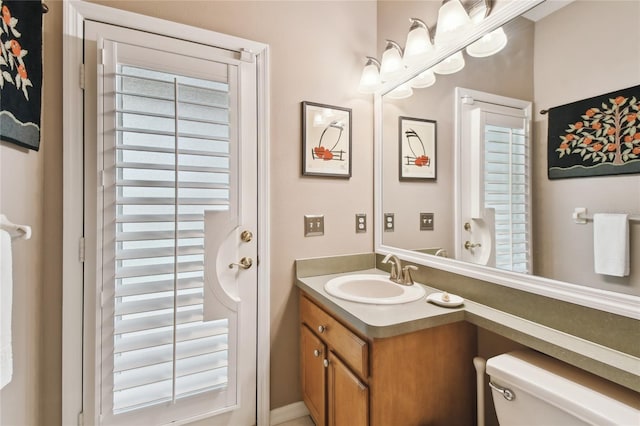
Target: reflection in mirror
<point>542,65</point>
<point>494,180</point>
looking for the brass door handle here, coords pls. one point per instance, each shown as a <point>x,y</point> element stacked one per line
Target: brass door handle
<point>469,245</point>
<point>245,263</point>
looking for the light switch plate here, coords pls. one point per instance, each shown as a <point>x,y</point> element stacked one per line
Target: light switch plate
<point>426,221</point>
<point>389,222</point>
<point>313,225</point>
<point>361,223</point>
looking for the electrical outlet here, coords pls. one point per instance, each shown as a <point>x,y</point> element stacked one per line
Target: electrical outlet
<point>389,222</point>
<point>313,225</point>
<point>361,223</point>
<point>426,221</point>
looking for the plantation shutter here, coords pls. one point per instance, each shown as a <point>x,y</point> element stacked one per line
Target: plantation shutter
<point>169,159</point>
<point>507,188</point>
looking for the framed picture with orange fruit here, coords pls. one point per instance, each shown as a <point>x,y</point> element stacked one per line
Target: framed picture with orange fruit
<point>597,136</point>
<point>417,148</point>
<point>326,140</point>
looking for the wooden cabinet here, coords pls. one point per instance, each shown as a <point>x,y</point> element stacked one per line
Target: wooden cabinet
<point>313,354</point>
<point>348,397</point>
<point>424,377</point>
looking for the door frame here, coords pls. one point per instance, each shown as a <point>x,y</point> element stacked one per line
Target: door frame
<point>75,12</point>
<point>464,96</point>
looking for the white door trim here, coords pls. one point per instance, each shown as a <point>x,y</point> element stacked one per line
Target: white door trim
<point>74,13</point>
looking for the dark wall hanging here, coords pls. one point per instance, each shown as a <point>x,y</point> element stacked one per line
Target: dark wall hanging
<point>21,72</point>
<point>595,137</point>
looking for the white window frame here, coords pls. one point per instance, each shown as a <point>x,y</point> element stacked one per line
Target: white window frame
<point>74,15</point>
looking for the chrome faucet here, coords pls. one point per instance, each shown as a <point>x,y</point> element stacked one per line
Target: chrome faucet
<point>399,274</point>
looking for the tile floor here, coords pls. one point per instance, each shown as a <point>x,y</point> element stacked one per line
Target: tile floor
<point>302,421</point>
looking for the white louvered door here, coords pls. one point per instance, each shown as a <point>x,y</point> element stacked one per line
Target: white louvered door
<point>495,181</point>
<point>176,163</point>
<point>506,189</point>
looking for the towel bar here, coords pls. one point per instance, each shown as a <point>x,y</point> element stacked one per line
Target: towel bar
<point>580,216</point>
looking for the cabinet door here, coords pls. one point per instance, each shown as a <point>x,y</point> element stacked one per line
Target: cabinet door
<point>348,397</point>
<point>313,354</point>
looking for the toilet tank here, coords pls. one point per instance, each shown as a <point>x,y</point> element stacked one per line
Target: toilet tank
<point>549,392</point>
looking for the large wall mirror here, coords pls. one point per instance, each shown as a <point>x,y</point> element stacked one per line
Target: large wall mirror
<point>557,52</point>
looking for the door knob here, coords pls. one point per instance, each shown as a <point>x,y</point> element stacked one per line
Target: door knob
<point>245,263</point>
<point>246,236</point>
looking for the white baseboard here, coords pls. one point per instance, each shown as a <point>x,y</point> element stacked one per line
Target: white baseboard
<point>288,412</point>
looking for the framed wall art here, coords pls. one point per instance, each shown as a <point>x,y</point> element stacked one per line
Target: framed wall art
<point>326,140</point>
<point>417,148</point>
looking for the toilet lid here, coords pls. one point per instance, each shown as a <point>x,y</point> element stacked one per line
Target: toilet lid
<point>576,391</point>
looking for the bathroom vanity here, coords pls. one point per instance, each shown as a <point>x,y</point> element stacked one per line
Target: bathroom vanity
<point>419,377</point>
<point>379,363</point>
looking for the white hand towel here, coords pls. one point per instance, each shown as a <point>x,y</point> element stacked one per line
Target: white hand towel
<point>611,244</point>
<point>6,296</point>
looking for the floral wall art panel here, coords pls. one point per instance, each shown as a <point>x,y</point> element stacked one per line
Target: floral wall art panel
<point>326,140</point>
<point>417,140</point>
<point>595,137</point>
<point>20,72</point>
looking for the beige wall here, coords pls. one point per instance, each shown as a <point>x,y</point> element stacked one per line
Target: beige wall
<point>317,51</point>
<point>30,191</point>
<point>570,66</point>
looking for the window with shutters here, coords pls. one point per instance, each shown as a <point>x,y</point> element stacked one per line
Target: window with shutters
<point>506,191</point>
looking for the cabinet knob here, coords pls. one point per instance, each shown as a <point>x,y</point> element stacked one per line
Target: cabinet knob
<point>325,363</point>
<point>317,353</point>
<point>322,328</point>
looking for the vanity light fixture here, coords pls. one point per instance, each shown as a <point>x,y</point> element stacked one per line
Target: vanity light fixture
<point>392,65</point>
<point>489,44</point>
<point>423,80</point>
<point>370,79</point>
<point>403,91</point>
<point>450,65</point>
<point>419,45</point>
<point>452,19</point>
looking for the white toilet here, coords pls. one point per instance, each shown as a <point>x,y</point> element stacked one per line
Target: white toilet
<point>531,389</point>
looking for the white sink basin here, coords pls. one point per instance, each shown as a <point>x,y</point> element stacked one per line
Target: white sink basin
<point>372,288</point>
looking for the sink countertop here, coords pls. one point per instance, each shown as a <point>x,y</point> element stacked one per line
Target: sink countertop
<point>380,321</point>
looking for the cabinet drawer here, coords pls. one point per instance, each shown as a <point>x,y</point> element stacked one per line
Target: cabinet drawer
<point>352,349</point>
